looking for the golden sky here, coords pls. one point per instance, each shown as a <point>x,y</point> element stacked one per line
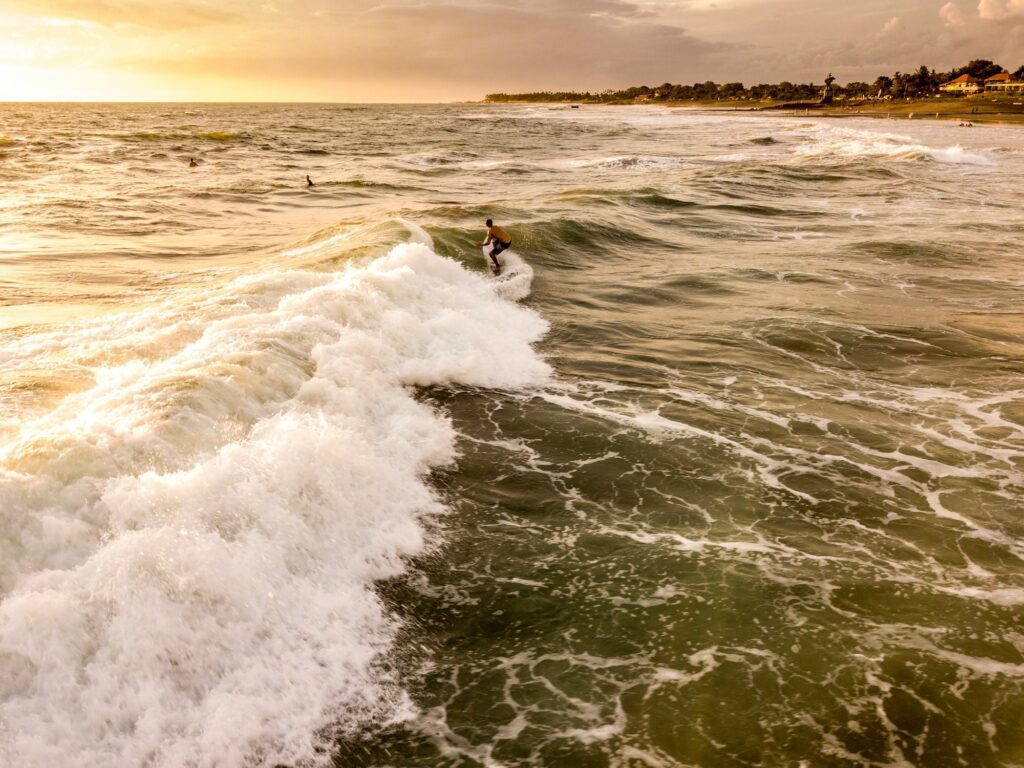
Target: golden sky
<point>422,50</point>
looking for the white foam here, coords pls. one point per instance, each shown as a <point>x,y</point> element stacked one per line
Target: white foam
<point>516,278</point>
<point>831,141</point>
<point>637,162</point>
<point>1007,597</point>
<point>190,544</point>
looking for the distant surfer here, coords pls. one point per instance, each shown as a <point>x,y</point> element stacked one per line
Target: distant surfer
<point>309,181</point>
<point>192,163</point>
<point>502,242</point>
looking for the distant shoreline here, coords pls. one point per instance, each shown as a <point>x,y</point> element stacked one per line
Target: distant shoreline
<point>977,111</point>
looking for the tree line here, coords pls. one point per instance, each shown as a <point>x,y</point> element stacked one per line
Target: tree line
<point>921,82</point>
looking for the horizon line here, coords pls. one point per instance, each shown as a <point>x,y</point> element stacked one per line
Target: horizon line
<point>177,101</point>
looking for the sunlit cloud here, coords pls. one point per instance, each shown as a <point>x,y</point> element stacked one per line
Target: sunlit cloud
<point>1000,9</point>
<point>160,14</point>
<point>951,15</point>
<point>412,50</point>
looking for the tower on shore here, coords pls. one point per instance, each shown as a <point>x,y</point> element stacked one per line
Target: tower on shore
<point>828,94</point>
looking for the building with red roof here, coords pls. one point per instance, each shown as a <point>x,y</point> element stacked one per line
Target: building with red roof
<point>963,84</point>
<point>1003,83</point>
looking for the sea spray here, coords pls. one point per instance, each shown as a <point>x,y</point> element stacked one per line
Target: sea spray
<point>191,544</point>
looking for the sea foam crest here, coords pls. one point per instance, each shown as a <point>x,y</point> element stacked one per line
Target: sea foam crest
<point>189,546</point>
<point>846,143</point>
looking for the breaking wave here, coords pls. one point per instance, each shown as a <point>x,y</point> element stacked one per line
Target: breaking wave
<point>192,539</point>
<point>850,144</point>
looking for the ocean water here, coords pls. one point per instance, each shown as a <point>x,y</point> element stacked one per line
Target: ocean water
<point>728,472</point>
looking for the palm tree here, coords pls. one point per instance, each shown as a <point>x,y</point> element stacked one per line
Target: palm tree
<point>882,86</point>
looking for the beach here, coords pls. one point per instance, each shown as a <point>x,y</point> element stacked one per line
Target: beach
<point>1003,111</point>
<point>729,474</point>
<point>1006,110</point>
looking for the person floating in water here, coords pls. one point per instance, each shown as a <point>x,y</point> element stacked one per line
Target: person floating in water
<point>502,242</point>
<point>309,181</point>
<point>192,163</point>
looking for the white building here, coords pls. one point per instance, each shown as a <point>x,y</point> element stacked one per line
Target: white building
<point>1003,83</point>
<point>962,84</point>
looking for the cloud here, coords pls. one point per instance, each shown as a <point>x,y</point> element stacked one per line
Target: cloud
<point>467,48</point>
<point>1000,9</point>
<point>155,14</point>
<point>857,40</point>
<point>425,50</point>
<point>892,26</point>
<point>951,15</point>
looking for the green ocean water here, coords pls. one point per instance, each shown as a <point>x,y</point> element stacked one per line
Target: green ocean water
<point>736,482</point>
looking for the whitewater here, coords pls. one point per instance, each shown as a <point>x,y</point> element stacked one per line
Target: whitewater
<point>198,534</point>
<point>727,471</point>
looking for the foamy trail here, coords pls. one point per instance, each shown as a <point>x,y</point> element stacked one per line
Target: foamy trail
<point>190,544</point>
<point>516,278</point>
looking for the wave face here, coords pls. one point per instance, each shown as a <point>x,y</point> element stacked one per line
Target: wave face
<point>724,469</point>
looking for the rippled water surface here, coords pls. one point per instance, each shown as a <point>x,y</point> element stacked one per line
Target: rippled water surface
<point>727,470</point>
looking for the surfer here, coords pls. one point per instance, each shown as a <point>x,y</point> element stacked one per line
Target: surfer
<point>502,242</point>
<point>309,181</point>
<point>192,163</point>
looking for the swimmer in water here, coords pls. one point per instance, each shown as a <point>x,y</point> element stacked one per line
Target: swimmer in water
<point>192,163</point>
<point>309,181</point>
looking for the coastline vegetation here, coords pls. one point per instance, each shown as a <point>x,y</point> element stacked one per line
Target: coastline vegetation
<point>921,83</point>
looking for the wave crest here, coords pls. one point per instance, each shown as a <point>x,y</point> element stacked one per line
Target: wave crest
<point>201,533</point>
<point>848,144</point>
